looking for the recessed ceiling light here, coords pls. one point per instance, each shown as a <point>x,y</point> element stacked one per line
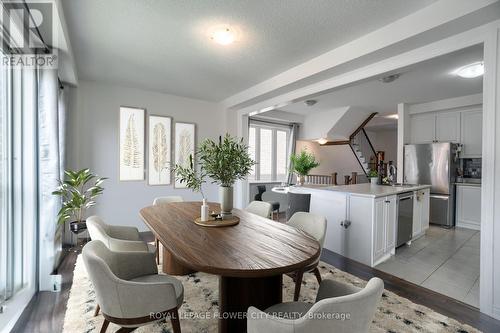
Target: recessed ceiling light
<point>223,35</point>
<point>471,71</point>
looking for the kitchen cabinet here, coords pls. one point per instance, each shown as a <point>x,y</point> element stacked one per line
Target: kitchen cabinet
<point>420,212</point>
<point>465,127</point>
<point>468,208</point>
<point>448,126</point>
<point>384,227</point>
<point>472,133</point>
<point>423,128</point>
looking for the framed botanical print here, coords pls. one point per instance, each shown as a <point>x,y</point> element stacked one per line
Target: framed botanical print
<point>159,150</point>
<point>132,121</point>
<point>185,136</point>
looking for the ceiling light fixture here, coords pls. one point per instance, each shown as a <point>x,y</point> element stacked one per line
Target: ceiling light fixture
<point>310,102</point>
<point>389,78</point>
<point>322,141</point>
<point>470,71</point>
<point>223,35</point>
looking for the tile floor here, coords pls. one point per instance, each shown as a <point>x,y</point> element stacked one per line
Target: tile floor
<point>444,260</point>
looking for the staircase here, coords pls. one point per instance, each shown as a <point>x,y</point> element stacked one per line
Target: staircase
<point>361,146</point>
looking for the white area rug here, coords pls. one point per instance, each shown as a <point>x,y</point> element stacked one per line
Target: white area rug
<point>394,314</point>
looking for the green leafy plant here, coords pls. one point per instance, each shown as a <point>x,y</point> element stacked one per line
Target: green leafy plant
<point>372,173</point>
<point>303,163</point>
<point>78,191</point>
<point>225,161</point>
<point>193,178</point>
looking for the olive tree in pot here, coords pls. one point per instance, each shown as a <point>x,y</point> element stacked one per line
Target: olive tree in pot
<point>78,192</point>
<point>302,164</point>
<point>225,162</point>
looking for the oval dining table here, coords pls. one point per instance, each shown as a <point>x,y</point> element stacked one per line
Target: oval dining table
<point>250,258</point>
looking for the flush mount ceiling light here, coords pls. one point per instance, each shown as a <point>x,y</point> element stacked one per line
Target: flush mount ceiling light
<point>223,35</point>
<point>470,71</point>
<point>389,78</point>
<point>322,141</point>
<point>310,102</point>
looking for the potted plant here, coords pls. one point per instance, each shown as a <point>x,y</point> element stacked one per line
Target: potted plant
<point>225,162</point>
<point>302,164</point>
<point>78,192</point>
<point>373,175</point>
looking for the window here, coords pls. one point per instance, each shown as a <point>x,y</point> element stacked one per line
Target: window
<point>268,146</point>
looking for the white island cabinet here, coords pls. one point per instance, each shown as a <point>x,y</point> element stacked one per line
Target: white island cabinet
<point>362,218</point>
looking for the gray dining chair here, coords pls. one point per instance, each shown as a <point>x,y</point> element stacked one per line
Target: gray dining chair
<point>117,238</point>
<point>315,226</point>
<point>160,201</point>
<point>339,308</point>
<point>129,289</point>
<point>260,208</point>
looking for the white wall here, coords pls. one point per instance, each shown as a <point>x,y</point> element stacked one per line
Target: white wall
<point>387,141</point>
<point>332,159</point>
<point>93,143</point>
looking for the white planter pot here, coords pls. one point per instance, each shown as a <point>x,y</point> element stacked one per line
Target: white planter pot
<point>374,180</point>
<point>226,200</point>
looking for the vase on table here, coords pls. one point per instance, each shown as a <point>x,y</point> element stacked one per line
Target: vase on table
<point>226,201</point>
<point>301,180</point>
<point>204,211</point>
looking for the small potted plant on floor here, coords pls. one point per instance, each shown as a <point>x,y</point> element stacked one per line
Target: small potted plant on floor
<point>373,176</point>
<point>78,192</point>
<point>225,162</point>
<point>302,164</point>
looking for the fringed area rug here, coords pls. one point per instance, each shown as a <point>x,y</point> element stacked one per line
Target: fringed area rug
<point>394,314</point>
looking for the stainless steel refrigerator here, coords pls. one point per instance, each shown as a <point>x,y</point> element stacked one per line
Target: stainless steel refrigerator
<point>434,164</point>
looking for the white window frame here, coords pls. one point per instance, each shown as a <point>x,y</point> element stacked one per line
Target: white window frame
<point>258,125</point>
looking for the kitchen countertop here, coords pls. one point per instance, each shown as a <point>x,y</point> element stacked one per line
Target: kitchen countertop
<point>369,190</point>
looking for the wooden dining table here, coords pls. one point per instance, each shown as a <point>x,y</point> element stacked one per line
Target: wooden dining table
<point>250,258</point>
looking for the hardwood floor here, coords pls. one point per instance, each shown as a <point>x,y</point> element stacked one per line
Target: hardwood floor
<point>45,313</point>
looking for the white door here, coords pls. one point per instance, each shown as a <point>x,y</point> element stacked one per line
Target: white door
<point>390,223</point>
<point>472,133</point>
<point>448,126</point>
<point>379,229</point>
<point>423,128</point>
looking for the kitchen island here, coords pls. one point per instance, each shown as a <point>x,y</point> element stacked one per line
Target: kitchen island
<point>363,218</point>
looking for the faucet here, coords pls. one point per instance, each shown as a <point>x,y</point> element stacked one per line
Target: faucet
<point>393,171</point>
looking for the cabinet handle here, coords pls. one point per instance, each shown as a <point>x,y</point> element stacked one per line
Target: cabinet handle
<point>345,224</point>
<point>387,201</point>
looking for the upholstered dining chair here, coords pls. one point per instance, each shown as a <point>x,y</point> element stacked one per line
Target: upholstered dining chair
<point>159,201</point>
<point>260,208</point>
<point>129,289</point>
<point>339,308</point>
<point>117,238</point>
<point>315,226</point>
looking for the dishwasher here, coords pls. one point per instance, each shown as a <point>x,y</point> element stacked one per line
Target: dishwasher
<point>405,218</point>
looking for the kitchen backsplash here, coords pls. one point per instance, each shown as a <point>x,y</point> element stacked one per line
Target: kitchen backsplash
<point>471,167</point>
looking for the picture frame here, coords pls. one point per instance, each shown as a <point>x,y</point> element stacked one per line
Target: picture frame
<point>185,143</point>
<point>132,143</point>
<point>159,150</point>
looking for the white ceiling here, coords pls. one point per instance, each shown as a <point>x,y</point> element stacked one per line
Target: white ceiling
<point>424,82</point>
<point>162,45</point>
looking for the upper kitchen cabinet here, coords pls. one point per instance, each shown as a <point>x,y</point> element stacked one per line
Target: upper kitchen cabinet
<point>472,133</point>
<point>448,127</point>
<point>423,128</point>
<point>460,126</point>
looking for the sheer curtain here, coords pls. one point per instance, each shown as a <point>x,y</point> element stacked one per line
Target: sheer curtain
<point>294,134</point>
<point>51,128</point>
